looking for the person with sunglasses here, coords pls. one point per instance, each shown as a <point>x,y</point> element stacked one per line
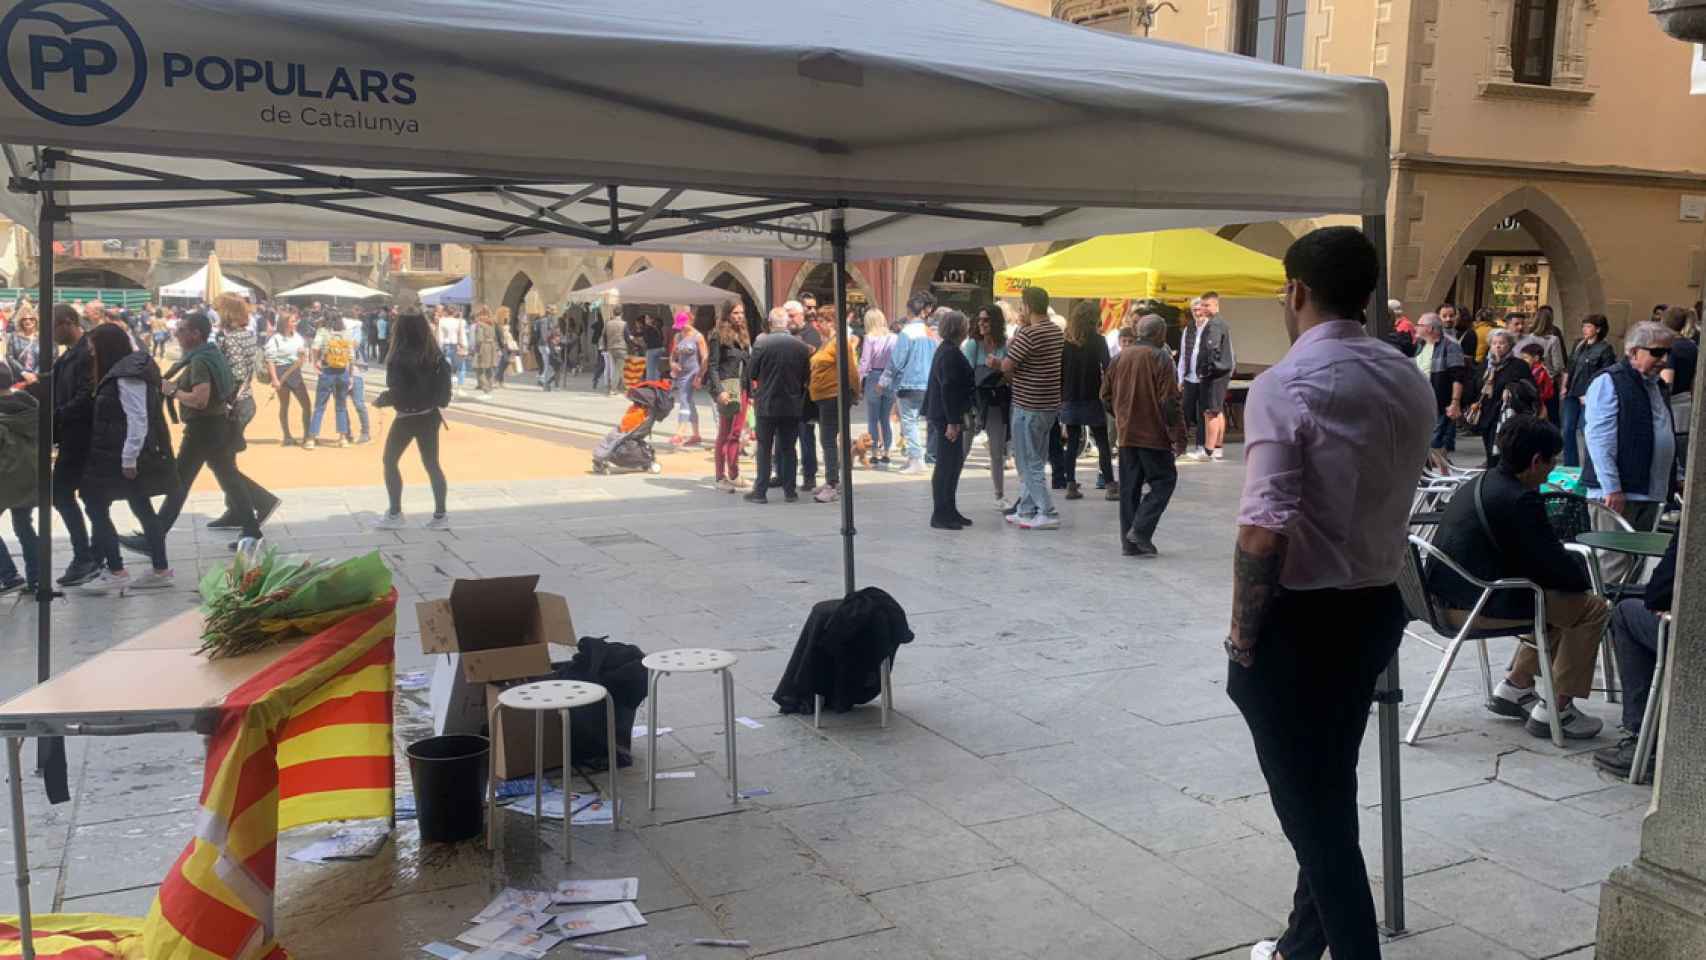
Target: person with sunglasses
<point>1631,439</point>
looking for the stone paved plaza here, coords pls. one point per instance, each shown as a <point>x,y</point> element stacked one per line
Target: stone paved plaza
<point>1064,776</point>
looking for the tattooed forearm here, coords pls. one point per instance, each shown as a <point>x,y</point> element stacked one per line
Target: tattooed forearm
<point>1255,582</point>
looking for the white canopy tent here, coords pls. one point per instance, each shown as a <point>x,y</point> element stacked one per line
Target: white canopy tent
<point>655,286</point>
<point>335,288</point>
<point>194,287</point>
<point>462,291</point>
<point>807,129</point>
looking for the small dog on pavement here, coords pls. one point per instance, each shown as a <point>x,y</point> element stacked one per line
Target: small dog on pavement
<point>862,450</point>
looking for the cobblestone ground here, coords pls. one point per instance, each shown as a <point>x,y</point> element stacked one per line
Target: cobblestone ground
<point>1064,775</point>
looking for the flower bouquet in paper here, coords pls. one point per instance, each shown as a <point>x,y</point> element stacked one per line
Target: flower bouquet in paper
<point>262,599</point>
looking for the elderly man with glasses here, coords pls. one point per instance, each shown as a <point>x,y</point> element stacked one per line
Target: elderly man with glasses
<point>1631,438</point>
<point>1440,359</point>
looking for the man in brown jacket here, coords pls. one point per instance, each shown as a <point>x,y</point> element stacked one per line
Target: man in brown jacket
<point>1142,391</point>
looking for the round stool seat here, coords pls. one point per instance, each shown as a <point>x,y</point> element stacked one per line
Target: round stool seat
<point>551,695</point>
<point>689,660</point>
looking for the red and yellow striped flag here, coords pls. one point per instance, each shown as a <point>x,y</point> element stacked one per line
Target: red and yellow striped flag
<point>75,936</point>
<point>305,741</point>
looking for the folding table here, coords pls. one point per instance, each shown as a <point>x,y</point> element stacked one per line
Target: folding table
<point>155,682</point>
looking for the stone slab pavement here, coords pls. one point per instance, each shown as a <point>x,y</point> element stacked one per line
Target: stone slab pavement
<point>1063,776</point>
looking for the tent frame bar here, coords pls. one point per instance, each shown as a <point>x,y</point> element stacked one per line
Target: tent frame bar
<point>771,211</point>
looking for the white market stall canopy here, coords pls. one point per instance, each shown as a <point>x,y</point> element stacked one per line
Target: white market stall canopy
<point>940,125</point>
<point>462,291</point>
<point>655,286</point>
<point>194,287</point>
<point>335,288</point>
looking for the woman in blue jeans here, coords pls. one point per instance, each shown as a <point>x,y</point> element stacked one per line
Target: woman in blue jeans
<point>879,403</point>
<point>1591,355</point>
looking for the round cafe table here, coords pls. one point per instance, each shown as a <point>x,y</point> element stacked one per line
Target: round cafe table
<point>1638,543</point>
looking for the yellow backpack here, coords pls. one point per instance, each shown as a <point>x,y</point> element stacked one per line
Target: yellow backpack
<point>336,355</point>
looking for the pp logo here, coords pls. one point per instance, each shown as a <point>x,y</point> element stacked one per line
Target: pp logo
<point>73,62</point>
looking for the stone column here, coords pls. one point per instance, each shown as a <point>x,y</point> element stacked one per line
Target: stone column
<point>1655,908</point>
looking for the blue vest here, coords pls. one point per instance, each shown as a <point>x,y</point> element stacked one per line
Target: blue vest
<point>1634,433</point>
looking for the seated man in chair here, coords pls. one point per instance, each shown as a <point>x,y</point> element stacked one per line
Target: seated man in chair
<point>1635,638</point>
<point>1496,528</point>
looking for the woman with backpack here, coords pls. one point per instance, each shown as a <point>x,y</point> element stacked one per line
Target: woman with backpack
<point>130,459</point>
<point>417,376</point>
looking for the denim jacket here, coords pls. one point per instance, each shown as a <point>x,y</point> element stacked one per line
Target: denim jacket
<point>909,364</point>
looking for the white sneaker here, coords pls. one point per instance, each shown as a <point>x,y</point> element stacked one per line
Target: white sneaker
<point>1575,724</point>
<point>1198,455</point>
<point>154,580</point>
<point>439,521</point>
<point>390,521</point>
<point>913,468</point>
<point>1015,519</point>
<point>1003,504</point>
<point>826,494</point>
<point>1041,521</point>
<point>107,584</point>
<point>1264,950</point>
<point>1219,453</point>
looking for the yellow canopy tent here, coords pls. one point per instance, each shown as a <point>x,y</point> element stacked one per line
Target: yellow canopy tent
<point>1163,265</point>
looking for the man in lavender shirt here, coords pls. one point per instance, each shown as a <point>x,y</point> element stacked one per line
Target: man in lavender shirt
<point>1335,438</point>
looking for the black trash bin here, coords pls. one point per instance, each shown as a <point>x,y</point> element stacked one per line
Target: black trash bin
<point>449,775</point>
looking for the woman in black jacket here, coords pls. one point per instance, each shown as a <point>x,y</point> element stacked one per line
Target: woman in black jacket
<point>130,459</point>
<point>1504,368</point>
<point>947,400</point>
<point>1083,361</point>
<point>416,379</point>
<point>1592,354</point>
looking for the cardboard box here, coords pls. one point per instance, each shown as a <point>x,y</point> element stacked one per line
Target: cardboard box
<point>487,632</point>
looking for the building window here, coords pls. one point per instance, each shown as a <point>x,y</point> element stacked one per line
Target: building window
<point>1272,30</point>
<point>426,256</point>
<point>171,249</point>
<point>273,251</point>
<point>1534,26</point>
<point>201,249</point>
<point>341,251</point>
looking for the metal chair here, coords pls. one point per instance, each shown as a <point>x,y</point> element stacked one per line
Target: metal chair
<point>1657,697</point>
<point>1423,606</point>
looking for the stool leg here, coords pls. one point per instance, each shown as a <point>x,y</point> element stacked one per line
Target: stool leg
<point>538,768</point>
<point>652,743</point>
<point>568,761</point>
<point>491,781</point>
<point>729,729</point>
<point>610,744</point>
<point>817,711</point>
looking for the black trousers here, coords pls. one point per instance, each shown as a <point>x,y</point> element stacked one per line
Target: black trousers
<point>288,388</point>
<point>260,498</point>
<point>1192,398</point>
<point>1139,511</point>
<point>945,478</point>
<point>67,477</point>
<point>776,439</point>
<point>808,454</point>
<point>1306,699</point>
<point>421,430</point>
<point>1075,446</point>
<point>211,442</point>
<point>1057,457</point>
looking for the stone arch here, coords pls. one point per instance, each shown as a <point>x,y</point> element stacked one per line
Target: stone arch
<point>855,276</point>
<point>726,276</point>
<point>516,294</point>
<point>582,281</point>
<point>98,277</point>
<point>637,266</point>
<point>263,291</point>
<point>1575,271</point>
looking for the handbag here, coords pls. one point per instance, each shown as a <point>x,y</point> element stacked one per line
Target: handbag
<point>730,387</point>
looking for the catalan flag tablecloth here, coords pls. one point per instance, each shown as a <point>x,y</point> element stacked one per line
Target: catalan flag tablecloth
<point>75,936</point>
<point>305,741</point>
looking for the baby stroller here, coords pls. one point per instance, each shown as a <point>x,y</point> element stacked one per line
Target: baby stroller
<point>625,447</point>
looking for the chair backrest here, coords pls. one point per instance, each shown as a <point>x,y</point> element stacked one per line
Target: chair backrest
<point>1603,513</point>
<point>1571,514</point>
<point>1417,603</point>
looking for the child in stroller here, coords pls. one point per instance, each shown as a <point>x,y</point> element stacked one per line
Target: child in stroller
<point>625,448</point>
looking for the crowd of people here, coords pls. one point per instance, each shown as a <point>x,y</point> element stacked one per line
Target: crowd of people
<point>111,402</point>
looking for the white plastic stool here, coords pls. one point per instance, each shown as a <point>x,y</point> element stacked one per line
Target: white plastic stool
<point>539,699</point>
<point>885,701</point>
<point>688,660</point>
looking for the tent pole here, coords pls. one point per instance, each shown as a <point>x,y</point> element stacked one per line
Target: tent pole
<point>44,429</point>
<point>1387,692</point>
<point>844,398</point>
